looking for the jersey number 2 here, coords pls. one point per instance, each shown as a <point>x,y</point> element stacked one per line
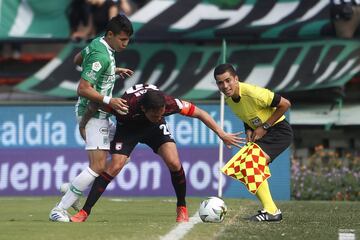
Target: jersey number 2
<point>165,130</point>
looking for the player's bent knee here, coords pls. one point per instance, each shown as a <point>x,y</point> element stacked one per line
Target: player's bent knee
<point>174,166</point>
<point>114,170</point>
<point>116,165</point>
<point>98,168</point>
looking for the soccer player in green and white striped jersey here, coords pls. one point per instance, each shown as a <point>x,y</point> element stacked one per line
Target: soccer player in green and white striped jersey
<point>96,85</point>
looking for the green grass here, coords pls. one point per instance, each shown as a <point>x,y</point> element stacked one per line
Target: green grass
<point>150,218</point>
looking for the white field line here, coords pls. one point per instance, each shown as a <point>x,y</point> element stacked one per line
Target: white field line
<point>121,200</point>
<point>22,198</point>
<point>182,229</point>
<point>346,234</point>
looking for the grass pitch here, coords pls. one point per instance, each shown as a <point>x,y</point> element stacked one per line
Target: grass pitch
<point>150,218</point>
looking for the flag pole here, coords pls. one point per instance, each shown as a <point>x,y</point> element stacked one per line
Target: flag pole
<point>222,109</point>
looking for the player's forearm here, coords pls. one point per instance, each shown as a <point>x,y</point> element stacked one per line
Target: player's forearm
<point>87,91</point>
<point>275,116</point>
<point>280,111</point>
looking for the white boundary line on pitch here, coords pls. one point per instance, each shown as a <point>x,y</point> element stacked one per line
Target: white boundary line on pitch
<point>182,228</point>
<point>346,234</point>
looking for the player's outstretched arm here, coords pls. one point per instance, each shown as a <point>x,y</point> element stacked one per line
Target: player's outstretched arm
<point>124,72</point>
<point>228,138</point>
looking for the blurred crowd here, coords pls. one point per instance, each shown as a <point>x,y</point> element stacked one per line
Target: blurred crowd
<point>345,16</point>
<point>88,18</point>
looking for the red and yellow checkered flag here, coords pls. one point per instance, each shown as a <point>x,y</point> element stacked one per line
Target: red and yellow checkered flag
<point>249,166</point>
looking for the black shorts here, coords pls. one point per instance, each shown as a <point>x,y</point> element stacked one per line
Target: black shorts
<point>128,136</point>
<point>277,139</point>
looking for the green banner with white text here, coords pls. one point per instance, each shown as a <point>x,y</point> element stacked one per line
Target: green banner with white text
<point>186,70</point>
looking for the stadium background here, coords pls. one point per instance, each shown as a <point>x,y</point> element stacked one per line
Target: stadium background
<point>176,46</point>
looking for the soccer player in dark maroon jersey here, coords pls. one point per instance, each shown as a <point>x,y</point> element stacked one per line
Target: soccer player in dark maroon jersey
<point>145,123</point>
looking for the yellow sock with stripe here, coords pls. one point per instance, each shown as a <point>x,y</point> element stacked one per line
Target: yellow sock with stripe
<point>264,195</point>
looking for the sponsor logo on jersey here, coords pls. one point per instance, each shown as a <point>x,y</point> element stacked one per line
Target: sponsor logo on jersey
<point>96,66</point>
<point>91,75</point>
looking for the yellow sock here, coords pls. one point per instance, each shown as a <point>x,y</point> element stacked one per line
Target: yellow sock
<point>264,195</point>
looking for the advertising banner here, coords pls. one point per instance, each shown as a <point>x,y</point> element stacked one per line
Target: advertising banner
<point>40,148</point>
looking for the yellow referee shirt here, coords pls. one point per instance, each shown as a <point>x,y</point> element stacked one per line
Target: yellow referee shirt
<point>254,107</point>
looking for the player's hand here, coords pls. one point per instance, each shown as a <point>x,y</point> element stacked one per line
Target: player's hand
<point>257,134</point>
<point>248,135</point>
<point>233,139</point>
<point>124,72</point>
<point>119,105</point>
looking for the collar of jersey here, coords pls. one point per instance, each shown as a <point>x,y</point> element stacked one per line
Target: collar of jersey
<point>102,40</point>
<point>239,95</point>
<point>239,89</point>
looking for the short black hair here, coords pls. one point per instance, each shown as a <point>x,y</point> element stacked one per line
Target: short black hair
<point>224,67</point>
<point>152,100</point>
<point>119,23</point>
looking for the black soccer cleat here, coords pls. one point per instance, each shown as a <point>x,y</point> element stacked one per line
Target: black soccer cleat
<point>264,216</point>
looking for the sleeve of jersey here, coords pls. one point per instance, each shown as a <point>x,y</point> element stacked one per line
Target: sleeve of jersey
<point>186,108</point>
<point>93,67</point>
<point>266,97</point>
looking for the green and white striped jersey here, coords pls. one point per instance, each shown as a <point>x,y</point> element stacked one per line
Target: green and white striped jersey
<point>98,68</point>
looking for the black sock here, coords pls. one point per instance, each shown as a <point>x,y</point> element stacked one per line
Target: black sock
<point>97,190</point>
<point>179,182</point>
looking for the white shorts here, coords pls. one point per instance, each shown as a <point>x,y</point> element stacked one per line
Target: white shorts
<point>99,133</point>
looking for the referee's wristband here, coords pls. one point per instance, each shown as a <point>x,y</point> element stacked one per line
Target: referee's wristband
<point>106,99</point>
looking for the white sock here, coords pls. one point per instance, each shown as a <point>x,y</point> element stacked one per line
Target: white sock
<point>78,185</point>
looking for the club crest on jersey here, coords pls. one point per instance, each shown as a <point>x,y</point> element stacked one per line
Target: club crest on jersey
<point>118,146</point>
<point>96,66</point>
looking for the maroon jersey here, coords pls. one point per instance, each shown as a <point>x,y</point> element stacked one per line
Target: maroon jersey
<point>135,115</point>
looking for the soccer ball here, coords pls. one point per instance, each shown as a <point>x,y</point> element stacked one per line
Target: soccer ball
<point>212,209</point>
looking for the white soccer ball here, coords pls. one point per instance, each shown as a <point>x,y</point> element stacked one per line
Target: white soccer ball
<point>212,209</point>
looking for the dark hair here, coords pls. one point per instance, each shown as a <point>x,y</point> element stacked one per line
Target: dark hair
<point>225,67</point>
<point>119,23</point>
<point>152,100</point>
